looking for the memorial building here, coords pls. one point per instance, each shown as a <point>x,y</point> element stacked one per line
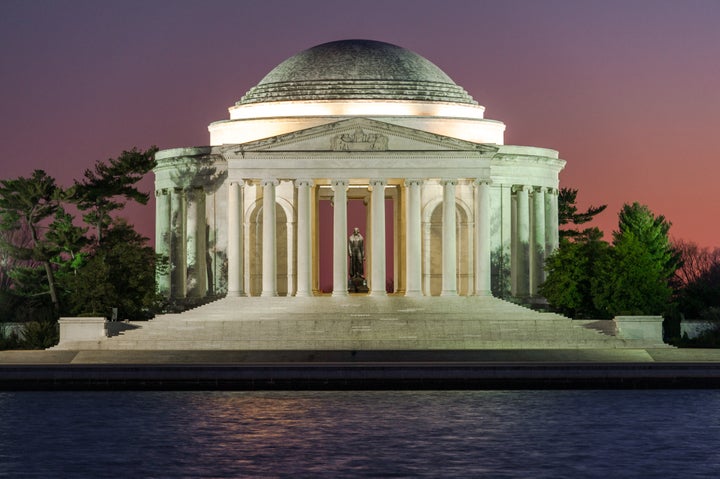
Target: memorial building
<point>356,137</point>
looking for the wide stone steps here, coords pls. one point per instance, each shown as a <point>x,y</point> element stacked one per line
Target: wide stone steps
<point>361,323</point>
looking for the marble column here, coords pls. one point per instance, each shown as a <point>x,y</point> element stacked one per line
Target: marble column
<point>177,245</point>
<point>522,242</point>
<point>482,238</point>
<point>552,228</point>
<point>235,239</point>
<point>163,236</point>
<point>201,278</point>
<point>377,206</point>
<point>413,245</point>
<point>304,238</point>
<point>538,240</point>
<point>340,233</point>
<point>269,249</point>
<point>195,251</point>
<point>449,240</point>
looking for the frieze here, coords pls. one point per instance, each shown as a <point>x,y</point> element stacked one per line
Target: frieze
<point>358,140</point>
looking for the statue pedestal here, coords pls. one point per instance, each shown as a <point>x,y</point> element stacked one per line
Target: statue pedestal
<point>357,285</point>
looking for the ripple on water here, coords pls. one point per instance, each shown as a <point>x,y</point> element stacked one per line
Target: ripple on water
<point>361,434</point>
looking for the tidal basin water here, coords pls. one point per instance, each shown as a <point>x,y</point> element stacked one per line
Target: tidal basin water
<point>649,433</point>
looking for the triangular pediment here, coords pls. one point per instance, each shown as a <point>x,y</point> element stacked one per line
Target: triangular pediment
<point>359,135</point>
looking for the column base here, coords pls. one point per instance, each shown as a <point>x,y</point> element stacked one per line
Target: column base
<point>268,294</point>
<point>236,294</point>
<point>483,293</point>
<point>413,294</point>
<point>339,294</point>
<point>449,293</point>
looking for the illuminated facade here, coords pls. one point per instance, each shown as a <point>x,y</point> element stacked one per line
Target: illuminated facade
<point>356,120</point>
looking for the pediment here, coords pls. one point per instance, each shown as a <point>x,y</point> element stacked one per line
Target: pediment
<point>359,135</point>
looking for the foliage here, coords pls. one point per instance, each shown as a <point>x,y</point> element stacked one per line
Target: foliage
<point>568,214</point>
<point>10,239</point>
<point>697,281</point>
<point>635,277</point>
<point>571,269</point>
<point>587,278</point>
<point>40,334</point>
<point>109,185</point>
<point>119,273</point>
<point>25,203</point>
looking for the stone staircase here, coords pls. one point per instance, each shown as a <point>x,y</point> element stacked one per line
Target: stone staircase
<point>360,322</point>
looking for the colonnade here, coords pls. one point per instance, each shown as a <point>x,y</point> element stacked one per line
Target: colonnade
<point>181,227</point>
<point>181,235</point>
<point>535,207</point>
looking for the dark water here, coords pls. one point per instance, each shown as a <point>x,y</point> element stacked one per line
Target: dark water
<point>361,434</point>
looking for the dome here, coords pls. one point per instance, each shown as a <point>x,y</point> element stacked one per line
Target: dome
<point>357,70</point>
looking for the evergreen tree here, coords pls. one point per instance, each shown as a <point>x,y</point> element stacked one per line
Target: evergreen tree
<point>110,185</point>
<point>568,214</point>
<point>118,273</point>
<point>571,269</point>
<point>635,277</point>
<point>27,203</point>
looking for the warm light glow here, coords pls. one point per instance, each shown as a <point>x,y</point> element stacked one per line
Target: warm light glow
<point>355,108</point>
<point>230,132</point>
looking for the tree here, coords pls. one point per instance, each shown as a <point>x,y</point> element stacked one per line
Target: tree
<point>696,282</point>
<point>635,277</point>
<point>568,214</point>
<point>110,185</point>
<point>571,269</point>
<point>26,203</point>
<point>119,273</point>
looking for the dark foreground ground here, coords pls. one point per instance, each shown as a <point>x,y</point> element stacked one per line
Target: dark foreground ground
<point>342,370</point>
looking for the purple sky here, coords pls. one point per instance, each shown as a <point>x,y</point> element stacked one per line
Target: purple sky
<point>627,91</point>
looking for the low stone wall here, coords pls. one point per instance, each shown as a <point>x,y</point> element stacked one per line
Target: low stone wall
<point>648,328</point>
<point>9,329</point>
<point>693,328</point>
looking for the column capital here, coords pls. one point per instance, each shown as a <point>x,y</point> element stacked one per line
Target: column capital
<point>269,181</point>
<point>482,181</point>
<point>539,189</point>
<point>378,182</point>
<point>448,181</point>
<point>335,184</point>
<point>304,182</point>
<point>518,188</point>
<point>414,182</point>
<point>237,182</point>
<point>162,192</point>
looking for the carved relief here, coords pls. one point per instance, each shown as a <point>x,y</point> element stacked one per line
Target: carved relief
<point>359,141</point>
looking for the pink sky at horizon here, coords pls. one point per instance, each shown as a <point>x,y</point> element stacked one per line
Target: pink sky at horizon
<point>627,92</point>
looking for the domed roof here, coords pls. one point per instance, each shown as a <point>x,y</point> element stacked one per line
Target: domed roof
<point>356,70</point>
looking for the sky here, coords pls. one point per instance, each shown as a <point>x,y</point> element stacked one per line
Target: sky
<point>627,91</point>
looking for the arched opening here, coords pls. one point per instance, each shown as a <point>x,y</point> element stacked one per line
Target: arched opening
<point>432,250</point>
<point>282,240</point>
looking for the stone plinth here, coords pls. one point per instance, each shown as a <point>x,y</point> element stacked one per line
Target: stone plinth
<point>649,328</point>
<point>82,329</point>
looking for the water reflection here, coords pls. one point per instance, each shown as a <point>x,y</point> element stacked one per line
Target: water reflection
<point>366,434</point>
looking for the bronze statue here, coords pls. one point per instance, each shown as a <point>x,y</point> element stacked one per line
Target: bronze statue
<point>356,251</point>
